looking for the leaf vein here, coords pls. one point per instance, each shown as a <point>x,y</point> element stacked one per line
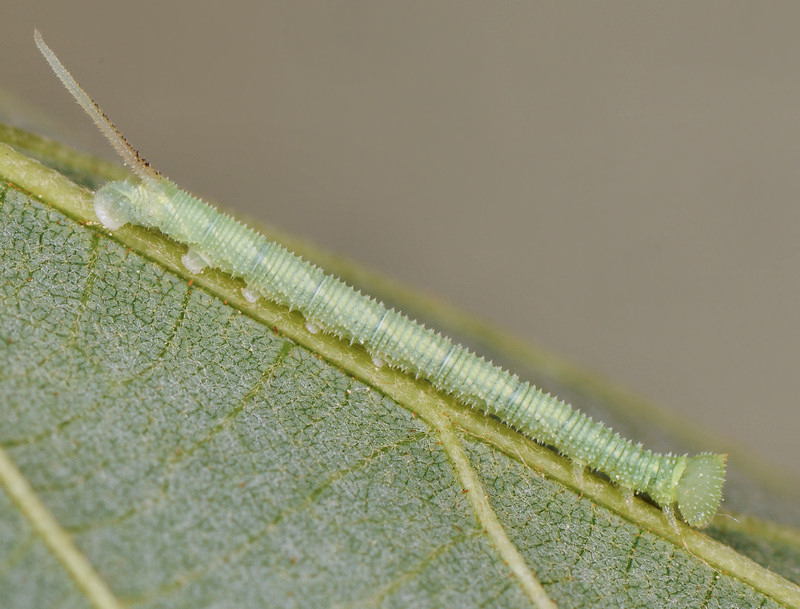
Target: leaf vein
<point>57,540</point>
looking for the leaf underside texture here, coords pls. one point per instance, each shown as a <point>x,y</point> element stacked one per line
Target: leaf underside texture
<point>193,454</point>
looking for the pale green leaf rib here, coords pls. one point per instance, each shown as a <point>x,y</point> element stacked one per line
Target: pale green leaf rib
<point>59,542</point>
<point>487,516</point>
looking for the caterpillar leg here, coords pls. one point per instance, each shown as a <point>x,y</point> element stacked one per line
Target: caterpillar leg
<point>627,494</point>
<point>577,472</point>
<point>194,261</point>
<point>109,212</point>
<point>250,296</point>
<point>669,514</point>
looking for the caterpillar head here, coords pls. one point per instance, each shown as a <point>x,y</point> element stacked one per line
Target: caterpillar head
<point>111,204</point>
<point>699,489</point>
<point>120,202</point>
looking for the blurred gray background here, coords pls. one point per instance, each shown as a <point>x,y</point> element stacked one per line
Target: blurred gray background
<point>616,182</point>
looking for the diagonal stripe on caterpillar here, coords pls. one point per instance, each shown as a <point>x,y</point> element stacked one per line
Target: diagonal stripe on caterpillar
<point>692,484</point>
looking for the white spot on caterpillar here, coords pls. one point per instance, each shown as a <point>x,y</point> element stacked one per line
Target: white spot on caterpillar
<point>377,362</point>
<point>311,327</point>
<point>249,295</point>
<point>109,214</point>
<point>194,261</point>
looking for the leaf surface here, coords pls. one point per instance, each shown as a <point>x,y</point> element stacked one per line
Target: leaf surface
<point>165,443</point>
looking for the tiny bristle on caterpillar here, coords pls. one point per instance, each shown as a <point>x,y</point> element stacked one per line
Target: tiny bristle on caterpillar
<point>693,484</point>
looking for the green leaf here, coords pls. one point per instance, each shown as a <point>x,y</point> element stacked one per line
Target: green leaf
<point>164,443</point>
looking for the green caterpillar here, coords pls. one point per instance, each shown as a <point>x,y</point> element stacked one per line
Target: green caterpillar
<point>692,484</point>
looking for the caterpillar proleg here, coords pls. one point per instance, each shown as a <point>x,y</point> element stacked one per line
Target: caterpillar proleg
<point>692,484</point>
